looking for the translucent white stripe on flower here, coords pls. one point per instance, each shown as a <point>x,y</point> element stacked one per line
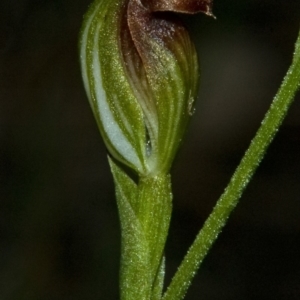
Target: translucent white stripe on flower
<point>111,127</point>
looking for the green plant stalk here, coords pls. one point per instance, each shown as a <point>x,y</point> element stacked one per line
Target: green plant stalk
<point>145,209</point>
<point>229,199</point>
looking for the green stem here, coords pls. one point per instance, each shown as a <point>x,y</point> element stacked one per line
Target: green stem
<point>228,201</point>
<point>145,210</point>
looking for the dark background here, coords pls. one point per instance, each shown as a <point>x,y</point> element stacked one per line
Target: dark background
<point>59,229</point>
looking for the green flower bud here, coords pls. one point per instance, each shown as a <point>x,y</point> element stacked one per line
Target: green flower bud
<point>140,71</point>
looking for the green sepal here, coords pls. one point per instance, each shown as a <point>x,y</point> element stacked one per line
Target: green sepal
<point>118,114</point>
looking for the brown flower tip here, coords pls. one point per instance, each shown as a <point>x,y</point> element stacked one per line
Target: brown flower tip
<point>180,6</point>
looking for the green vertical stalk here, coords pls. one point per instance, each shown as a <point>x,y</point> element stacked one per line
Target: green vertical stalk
<point>229,199</point>
<point>145,210</point>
